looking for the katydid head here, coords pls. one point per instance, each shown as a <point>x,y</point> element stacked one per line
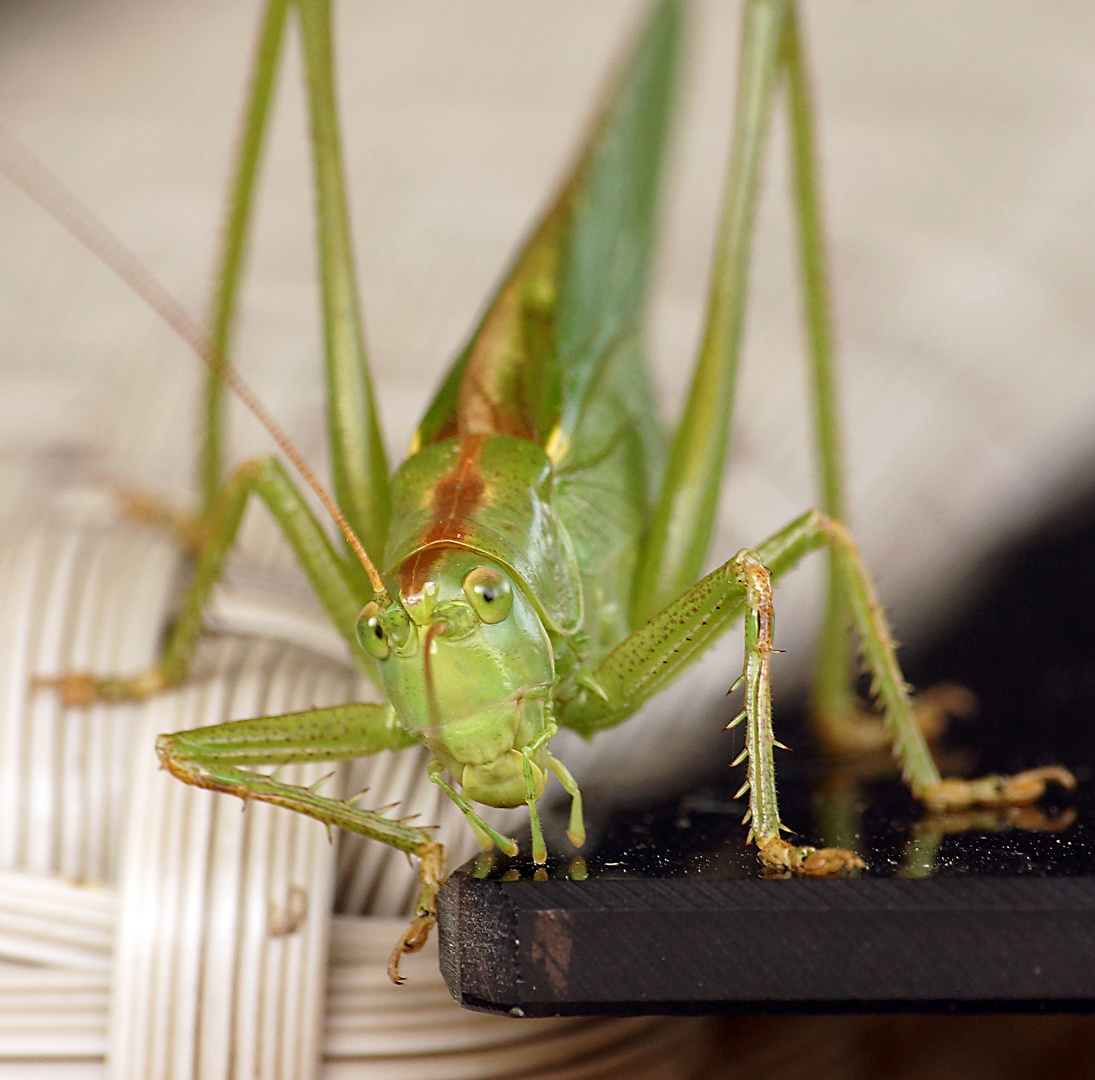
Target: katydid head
<point>468,666</point>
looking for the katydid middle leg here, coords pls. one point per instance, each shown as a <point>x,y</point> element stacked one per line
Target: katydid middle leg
<point>841,723</point>
<point>223,758</point>
<point>331,576</point>
<point>656,653</point>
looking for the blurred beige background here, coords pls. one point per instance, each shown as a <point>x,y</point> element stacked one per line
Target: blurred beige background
<point>957,143</point>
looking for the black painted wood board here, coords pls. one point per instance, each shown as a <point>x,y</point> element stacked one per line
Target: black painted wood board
<point>648,945</point>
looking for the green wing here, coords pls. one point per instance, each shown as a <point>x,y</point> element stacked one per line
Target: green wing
<point>573,297</point>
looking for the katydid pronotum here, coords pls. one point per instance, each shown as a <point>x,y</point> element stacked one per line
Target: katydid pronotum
<point>540,564</point>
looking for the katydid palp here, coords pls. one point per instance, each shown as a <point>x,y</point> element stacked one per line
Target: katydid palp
<point>540,564</point>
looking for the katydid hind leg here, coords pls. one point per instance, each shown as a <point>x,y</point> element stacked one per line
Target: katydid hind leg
<point>340,583</point>
<point>359,463</point>
<point>234,243</point>
<point>839,720</point>
<point>832,699</point>
<point>683,523</point>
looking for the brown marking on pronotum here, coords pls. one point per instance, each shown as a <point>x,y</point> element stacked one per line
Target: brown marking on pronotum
<point>458,494</point>
<point>456,497</point>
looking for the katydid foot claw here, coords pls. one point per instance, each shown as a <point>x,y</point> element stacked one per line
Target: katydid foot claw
<point>777,854</point>
<point>418,933</point>
<point>431,876</point>
<point>81,689</point>
<point>1018,790</point>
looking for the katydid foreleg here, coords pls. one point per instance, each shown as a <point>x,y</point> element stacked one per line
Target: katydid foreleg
<point>483,832</point>
<point>535,749</point>
<point>576,827</point>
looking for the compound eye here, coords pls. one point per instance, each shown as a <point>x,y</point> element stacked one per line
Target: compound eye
<point>370,634</point>
<point>489,593</point>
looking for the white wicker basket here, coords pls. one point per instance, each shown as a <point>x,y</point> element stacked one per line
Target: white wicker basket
<point>135,914</point>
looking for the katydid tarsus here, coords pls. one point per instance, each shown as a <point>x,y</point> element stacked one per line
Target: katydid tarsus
<point>535,562</point>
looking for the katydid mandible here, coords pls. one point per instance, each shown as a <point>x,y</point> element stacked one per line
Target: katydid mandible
<point>542,543</point>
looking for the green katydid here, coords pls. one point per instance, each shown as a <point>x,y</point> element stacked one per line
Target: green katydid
<point>541,547</point>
